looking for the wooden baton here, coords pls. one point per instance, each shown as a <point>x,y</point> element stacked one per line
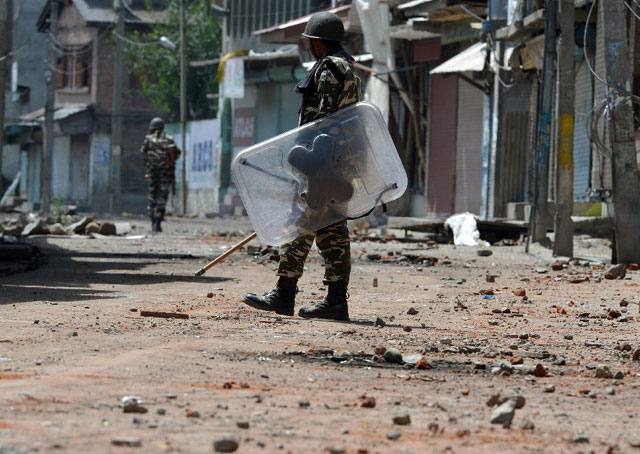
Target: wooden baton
<point>226,254</point>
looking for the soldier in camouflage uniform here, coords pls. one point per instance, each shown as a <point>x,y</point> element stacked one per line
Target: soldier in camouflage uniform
<point>331,85</point>
<point>160,153</point>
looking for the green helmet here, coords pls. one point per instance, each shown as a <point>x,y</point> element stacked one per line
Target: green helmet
<point>324,25</point>
<point>156,123</point>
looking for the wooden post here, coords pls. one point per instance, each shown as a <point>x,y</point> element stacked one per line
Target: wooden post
<point>566,94</point>
<point>539,209</point>
<point>626,184</point>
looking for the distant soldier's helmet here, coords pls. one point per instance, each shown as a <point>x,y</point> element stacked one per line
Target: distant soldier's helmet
<point>156,123</point>
<point>324,25</point>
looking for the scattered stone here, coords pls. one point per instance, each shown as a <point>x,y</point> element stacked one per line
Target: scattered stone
<point>368,402</point>
<point>517,360</point>
<point>618,271</point>
<point>610,391</point>
<point>557,266</point>
<point>490,278</point>
<point>92,227</point>
<point>633,267</point>
<point>374,257</point>
<point>549,389</point>
<point>393,435</point>
<point>375,282</point>
<point>412,311</point>
<point>604,372</point>
<point>613,313</point>
<point>107,228</point>
<point>171,396</point>
<point>133,404</point>
<point>192,413</point>
<point>484,252</point>
<point>619,375</point>
<point>624,303</point>
<point>304,404</point>
<point>379,322</point>
<point>495,399</point>
<point>242,424</point>
<point>542,270</point>
<point>407,329</point>
<point>38,227</point>
<point>636,355</point>
<point>540,371</point>
<point>504,413</point>
<point>393,356</point>
<point>568,337</point>
<point>57,229</point>
<point>127,442</point>
<point>380,350</point>
<point>622,319</point>
<point>527,424</point>
<point>581,438</point>
<point>225,444</point>
<point>634,441</point>
<point>161,411</point>
<point>210,295</point>
<point>561,310</point>
<point>402,420</point>
<point>334,450</point>
<point>520,292</point>
<point>423,364</point>
<point>78,227</point>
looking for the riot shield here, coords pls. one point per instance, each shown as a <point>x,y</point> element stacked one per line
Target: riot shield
<point>335,168</point>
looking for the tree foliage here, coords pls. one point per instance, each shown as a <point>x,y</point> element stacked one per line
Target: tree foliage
<point>158,68</point>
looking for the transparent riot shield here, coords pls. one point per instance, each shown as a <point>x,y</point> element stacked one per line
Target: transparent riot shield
<point>338,167</point>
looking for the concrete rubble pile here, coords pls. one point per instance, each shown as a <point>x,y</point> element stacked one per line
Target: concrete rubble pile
<point>69,224</point>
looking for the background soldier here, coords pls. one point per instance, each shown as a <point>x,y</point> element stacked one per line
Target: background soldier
<point>330,86</point>
<point>160,154</point>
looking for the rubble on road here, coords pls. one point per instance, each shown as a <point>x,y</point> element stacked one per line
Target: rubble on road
<point>32,224</point>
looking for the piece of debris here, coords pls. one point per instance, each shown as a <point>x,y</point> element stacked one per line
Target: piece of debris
<point>226,444</point>
<point>367,401</point>
<point>604,372</point>
<point>618,271</point>
<point>484,252</point>
<point>636,355</point>
<point>540,371</point>
<point>38,227</point>
<point>520,292</point>
<point>504,413</point>
<point>127,442</point>
<point>412,311</point>
<point>133,404</point>
<point>242,424</point>
<point>490,277</point>
<point>163,314</point>
<point>402,420</point>
<point>379,322</point>
<point>393,436</point>
<point>393,356</point>
<point>549,389</point>
<point>423,364</point>
<point>375,282</point>
<point>581,438</point>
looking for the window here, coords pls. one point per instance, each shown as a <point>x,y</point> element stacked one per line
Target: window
<point>73,68</point>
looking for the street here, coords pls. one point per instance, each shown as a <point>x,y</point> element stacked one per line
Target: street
<point>73,343</point>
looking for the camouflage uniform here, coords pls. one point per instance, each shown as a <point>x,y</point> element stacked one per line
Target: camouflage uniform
<point>335,86</point>
<point>160,153</point>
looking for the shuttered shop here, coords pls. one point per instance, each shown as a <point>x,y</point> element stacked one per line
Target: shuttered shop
<point>468,177</point>
<point>581,142</point>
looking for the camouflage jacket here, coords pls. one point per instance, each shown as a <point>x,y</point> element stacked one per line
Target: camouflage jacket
<point>160,152</point>
<point>336,85</point>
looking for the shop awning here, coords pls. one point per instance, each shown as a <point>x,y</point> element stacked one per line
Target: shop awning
<point>60,112</point>
<point>473,59</point>
<point>470,59</point>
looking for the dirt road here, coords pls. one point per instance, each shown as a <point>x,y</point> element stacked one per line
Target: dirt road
<point>73,343</point>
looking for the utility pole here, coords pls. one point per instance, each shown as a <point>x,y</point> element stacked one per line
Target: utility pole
<point>4,21</point>
<point>566,94</point>
<point>47,150</point>
<point>116,117</point>
<point>539,209</point>
<point>497,61</point>
<point>183,103</point>
<point>626,184</point>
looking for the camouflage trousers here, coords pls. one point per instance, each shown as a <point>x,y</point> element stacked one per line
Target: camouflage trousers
<point>159,186</point>
<point>335,248</point>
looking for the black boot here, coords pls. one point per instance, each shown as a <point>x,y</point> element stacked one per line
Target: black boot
<point>158,226</point>
<point>154,225</point>
<point>334,306</point>
<point>279,300</point>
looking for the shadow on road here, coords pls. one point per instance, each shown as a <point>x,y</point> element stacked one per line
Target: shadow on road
<point>73,276</point>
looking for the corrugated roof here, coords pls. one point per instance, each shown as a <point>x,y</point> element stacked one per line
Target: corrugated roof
<point>470,59</point>
<point>60,113</point>
<point>298,21</point>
